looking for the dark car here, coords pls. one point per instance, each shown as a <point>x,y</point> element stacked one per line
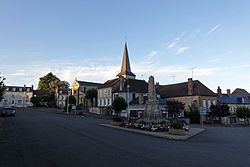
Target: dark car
<point>8,111</point>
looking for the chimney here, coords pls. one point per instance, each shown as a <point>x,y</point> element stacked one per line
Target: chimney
<point>24,86</point>
<point>219,90</point>
<point>228,91</point>
<point>190,86</point>
<point>121,83</point>
<point>32,87</point>
<point>141,98</point>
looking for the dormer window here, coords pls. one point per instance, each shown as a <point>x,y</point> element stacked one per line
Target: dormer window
<point>20,89</point>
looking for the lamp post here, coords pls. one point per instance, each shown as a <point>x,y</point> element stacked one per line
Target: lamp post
<point>128,112</point>
<point>68,101</point>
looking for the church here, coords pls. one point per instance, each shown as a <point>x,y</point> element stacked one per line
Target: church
<point>124,85</point>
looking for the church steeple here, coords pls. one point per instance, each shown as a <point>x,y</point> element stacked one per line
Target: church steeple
<point>125,69</point>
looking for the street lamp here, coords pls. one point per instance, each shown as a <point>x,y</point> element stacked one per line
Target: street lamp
<point>128,112</point>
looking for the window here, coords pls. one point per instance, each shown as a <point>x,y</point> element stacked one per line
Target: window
<point>19,101</point>
<point>204,103</point>
<point>100,102</point>
<point>20,89</point>
<point>104,102</point>
<point>209,104</point>
<point>108,102</point>
<point>14,89</point>
<point>7,89</point>
<point>28,89</point>
<point>195,103</point>
<point>214,102</point>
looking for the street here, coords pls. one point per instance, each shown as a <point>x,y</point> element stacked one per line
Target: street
<point>47,139</point>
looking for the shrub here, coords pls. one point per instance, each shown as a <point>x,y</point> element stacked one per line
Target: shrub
<point>117,119</point>
<point>176,125</point>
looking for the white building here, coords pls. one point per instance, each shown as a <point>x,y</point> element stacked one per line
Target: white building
<point>17,96</point>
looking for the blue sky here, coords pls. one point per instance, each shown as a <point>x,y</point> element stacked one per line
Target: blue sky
<point>166,39</point>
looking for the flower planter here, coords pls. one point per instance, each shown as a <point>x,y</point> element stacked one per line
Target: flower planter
<point>177,131</point>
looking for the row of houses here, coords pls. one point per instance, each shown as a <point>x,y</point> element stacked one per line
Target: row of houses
<point>135,93</point>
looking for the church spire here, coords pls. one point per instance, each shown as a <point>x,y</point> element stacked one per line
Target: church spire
<point>125,69</point>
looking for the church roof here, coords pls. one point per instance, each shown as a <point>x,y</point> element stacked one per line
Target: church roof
<point>125,69</point>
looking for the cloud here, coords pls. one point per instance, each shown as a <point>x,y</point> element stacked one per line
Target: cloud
<point>216,27</point>
<point>152,54</point>
<point>173,43</point>
<point>182,50</point>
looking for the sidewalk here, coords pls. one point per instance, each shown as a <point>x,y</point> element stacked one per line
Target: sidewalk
<point>192,132</point>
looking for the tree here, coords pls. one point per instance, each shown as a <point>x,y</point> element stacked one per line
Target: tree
<point>193,114</point>
<point>2,87</point>
<point>119,104</point>
<point>49,83</point>
<point>91,94</point>
<point>219,110</point>
<point>243,113</point>
<point>35,101</point>
<point>174,108</point>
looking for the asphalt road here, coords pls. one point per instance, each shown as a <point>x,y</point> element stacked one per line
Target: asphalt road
<point>45,139</point>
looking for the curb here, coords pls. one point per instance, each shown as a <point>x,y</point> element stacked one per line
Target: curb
<point>191,133</point>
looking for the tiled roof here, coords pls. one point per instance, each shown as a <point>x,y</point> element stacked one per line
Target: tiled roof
<point>109,83</point>
<point>135,85</point>
<point>181,89</point>
<point>84,83</point>
<point>241,92</point>
<point>233,99</point>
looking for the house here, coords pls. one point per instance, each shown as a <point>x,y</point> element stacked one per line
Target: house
<point>17,96</point>
<point>81,87</point>
<point>239,98</point>
<point>190,92</point>
<point>61,94</point>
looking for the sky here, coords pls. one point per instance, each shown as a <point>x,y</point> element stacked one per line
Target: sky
<point>172,40</point>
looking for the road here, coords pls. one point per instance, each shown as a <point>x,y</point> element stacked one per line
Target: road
<point>45,139</point>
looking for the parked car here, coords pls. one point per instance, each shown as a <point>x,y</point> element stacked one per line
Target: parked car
<point>8,111</point>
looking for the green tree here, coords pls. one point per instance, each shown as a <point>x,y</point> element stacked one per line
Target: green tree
<point>193,114</point>
<point>2,87</point>
<point>49,83</point>
<point>119,104</point>
<point>243,113</point>
<point>35,101</point>
<point>91,94</point>
<point>174,108</point>
<point>219,111</point>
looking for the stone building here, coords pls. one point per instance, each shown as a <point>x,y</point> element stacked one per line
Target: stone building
<point>17,96</point>
<point>190,92</point>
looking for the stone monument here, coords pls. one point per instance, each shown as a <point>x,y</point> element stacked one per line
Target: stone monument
<point>152,111</point>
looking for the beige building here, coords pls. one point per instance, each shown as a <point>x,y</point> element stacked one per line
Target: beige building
<point>80,92</point>
<point>17,96</point>
<point>190,92</point>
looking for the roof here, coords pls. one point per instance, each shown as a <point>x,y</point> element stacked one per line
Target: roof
<point>241,92</point>
<point>181,89</point>
<point>109,83</point>
<point>233,99</point>
<point>17,88</point>
<point>93,84</point>
<point>135,85</point>
<point>125,69</point>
